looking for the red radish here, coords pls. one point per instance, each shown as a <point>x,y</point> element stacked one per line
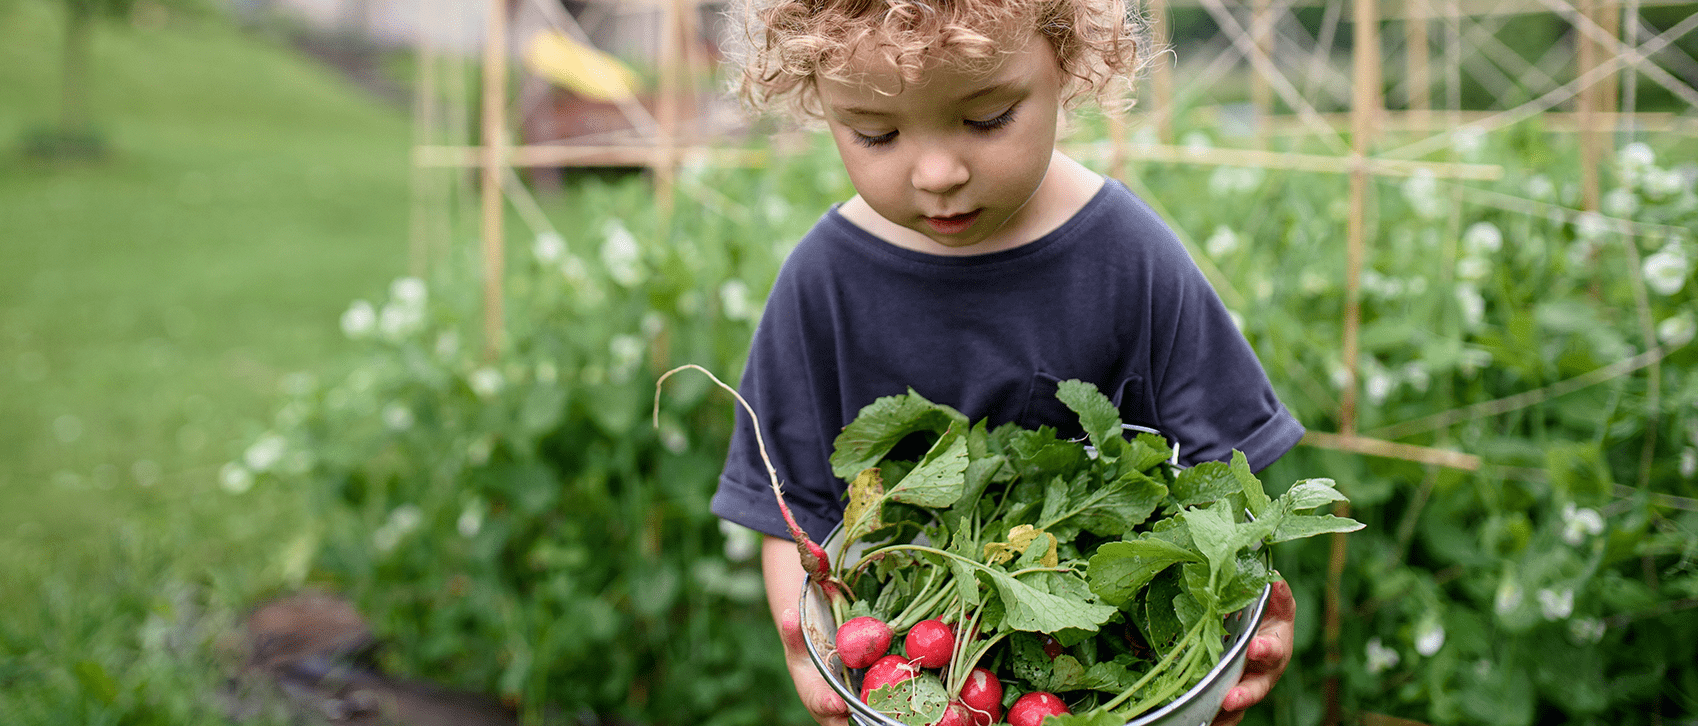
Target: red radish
<point>813,557</point>
<point>1052,647</point>
<point>885,671</point>
<point>863,640</point>
<point>930,643</point>
<point>955,715</point>
<point>982,695</point>
<point>1032,708</point>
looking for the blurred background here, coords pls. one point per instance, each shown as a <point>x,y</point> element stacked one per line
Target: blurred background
<point>329,332</point>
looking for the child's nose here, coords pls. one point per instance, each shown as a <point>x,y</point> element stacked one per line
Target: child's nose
<point>939,170</point>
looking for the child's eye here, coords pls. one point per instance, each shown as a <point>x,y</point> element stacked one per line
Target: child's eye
<point>1005,119</point>
<point>874,141</point>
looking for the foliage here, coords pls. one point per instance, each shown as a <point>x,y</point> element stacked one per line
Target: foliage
<point>518,523</point>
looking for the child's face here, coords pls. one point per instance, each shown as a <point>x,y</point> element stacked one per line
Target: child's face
<point>956,157</point>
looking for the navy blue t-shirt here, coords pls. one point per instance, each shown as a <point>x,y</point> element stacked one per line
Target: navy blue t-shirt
<point>1111,297</point>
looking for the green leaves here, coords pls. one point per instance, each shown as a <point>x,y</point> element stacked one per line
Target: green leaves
<point>882,424</point>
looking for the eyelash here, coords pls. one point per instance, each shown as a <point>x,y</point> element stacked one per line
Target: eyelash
<point>1007,117</point>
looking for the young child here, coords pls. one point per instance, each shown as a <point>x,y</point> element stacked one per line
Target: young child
<point>977,265</point>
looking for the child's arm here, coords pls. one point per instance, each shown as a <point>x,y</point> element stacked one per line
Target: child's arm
<point>784,579</point>
<point>1270,652</point>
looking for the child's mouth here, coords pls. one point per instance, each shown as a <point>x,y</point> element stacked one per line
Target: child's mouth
<point>953,224</point>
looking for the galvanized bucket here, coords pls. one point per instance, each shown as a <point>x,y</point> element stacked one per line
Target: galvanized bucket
<point>1196,707</point>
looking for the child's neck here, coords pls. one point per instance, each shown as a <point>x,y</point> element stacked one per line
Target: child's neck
<point>1066,188</point>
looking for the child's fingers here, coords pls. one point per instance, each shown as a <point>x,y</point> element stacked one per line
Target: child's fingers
<point>826,706</point>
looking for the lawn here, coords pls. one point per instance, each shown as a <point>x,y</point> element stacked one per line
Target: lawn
<point>151,305</point>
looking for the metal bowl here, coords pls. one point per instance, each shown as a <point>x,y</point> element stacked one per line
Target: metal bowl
<point>1196,707</point>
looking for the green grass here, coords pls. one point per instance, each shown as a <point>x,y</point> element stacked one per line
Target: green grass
<point>150,304</point>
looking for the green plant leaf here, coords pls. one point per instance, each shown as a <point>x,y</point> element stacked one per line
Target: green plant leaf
<point>882,424</point>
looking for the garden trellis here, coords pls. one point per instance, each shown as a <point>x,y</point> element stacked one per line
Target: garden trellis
<point>1332,122</point>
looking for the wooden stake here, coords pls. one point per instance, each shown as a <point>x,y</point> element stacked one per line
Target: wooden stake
<point>1161,80</point>
<point>669,104</point>
<point>1261,95</point>
<point>1418,59</point>
<point>494,166</point>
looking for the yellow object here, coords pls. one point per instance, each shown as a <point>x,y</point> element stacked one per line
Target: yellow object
<point>585,70</point>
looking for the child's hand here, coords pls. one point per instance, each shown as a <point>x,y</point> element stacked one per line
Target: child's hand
<point>1270,652</point>
<point>826,706</point>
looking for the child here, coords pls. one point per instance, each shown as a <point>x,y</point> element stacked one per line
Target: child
<point>977,265</point>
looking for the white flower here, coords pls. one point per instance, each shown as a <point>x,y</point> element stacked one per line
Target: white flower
<point>1222,242</point>
<point>1421,190</point>
<point>1539,187</point>
<point>1379,386</point>
<point>1473,305</point>
<point>1429,636</point>
<point>235,478</point>
<point>1482,238</point>
<point>265,452</point>
<point>1473,359</point>
<point>1313,283</point>
<point>777,209</point>
<point>1556,605</point>
<point>673,439</point>
<point>1581,253</point>
<point>1196,141</point>
<point>1636,156</point>
<point>399,319</point>
<point>1473,269</point>
<point>653,324</point>
<point>447,344</point>
<point>359,320</point>
<point>1620,202</point>
<point>1688,462</point>
<point>485,382</point>
<point>479,451</point>
<point>1468,141</point>
<point>1660,184</point>
<point>1677,330</point>
<point>1508,597</point>
<point>1579,523</point>
<point>1586,631</point>
<point>471,519</point>
<point>620,255</point>
<point>408,291</point>
<point>625,353</point>
<point>397,417</point>
<point>741,543</point>
<point>1380,658</point>
<point>1590,225</point>
<point>1237,319</point>
<point>549,248</point>
<point>1415,373</point>
<point>734,300</point>
<point>1666,270</point>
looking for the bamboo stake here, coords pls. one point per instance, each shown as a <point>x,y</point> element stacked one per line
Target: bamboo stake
<point>424,115</point>
<point>1418,60</point>
<point>1586,104</point>
<point>1365,101</point>
<point>1161,81</point>
<point>1297,162</point>
<point>1521,400</point>
<point>1392,450</point>
<point>1261,96</point>
<point>668,105</point>
<point>494,160</point>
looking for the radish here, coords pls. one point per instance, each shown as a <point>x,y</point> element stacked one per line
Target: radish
<point>930,643</point>
<point>982,695</point>
<point>956,714</point>
<point>885,671</point>
<point>813,557</point>
<point>863,640</point>
<point>1032,708</point>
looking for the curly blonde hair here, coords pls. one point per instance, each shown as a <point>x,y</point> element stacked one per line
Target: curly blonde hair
<point>1099,44</point>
